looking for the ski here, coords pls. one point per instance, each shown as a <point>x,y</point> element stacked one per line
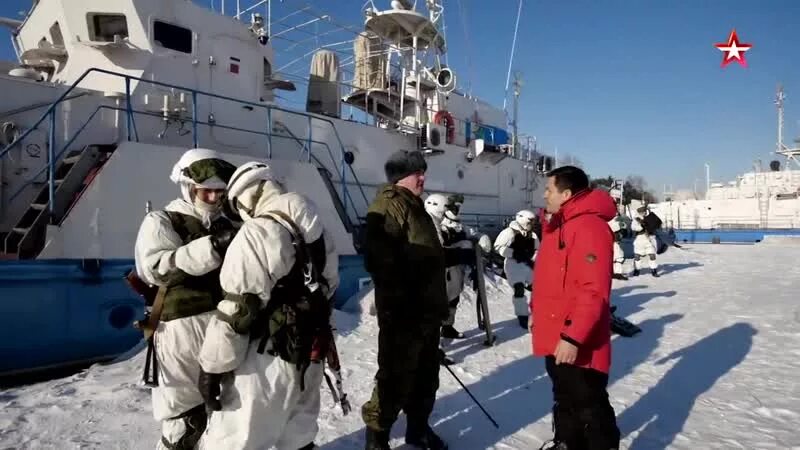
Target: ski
<point>482,307</point>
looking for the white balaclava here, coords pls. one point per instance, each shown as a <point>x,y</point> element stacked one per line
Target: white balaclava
<point>452,216</point>
<point>436,205</point>
<point>525,219</point>
<point>202,168</point>
<point>253,184</point>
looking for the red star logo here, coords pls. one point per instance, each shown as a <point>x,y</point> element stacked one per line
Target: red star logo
<point>733,50</point>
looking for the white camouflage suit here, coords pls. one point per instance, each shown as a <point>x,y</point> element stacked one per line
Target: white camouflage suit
<point>619,253</point>
<point>644,245</point>
<point>262,403</point>
<point>159,252</point>
<point>446,223</point>
<point>516,271</point>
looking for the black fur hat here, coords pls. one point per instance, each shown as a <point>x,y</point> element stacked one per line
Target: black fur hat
<point>403,163</point>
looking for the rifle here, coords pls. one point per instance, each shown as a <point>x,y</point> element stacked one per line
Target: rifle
<point>327,342</point>
<point>146,291</point>
<point>333,365</point>
<point>154,298</point>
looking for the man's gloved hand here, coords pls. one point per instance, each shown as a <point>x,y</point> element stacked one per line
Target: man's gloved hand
<point>459,256</point>
<point>473,278</point>
<point>209,386</point>
<point>221,239</point>
<point>520,254</point>
<point>522,249</point>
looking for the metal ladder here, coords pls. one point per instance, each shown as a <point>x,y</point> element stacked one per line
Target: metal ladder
<point>26,238</point>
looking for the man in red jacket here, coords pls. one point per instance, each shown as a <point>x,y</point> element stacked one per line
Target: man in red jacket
<point>570,305</point>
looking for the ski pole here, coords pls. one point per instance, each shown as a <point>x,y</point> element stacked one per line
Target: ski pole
<point>473,397</point>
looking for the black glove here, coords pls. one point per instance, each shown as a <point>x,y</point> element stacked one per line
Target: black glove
<point>522,249</point>
<point>221,240</point>
<point>473,278</point>
<point>521,254</point>
<point>459,256</point>
<point>220,224</point>
<point>209,386</point>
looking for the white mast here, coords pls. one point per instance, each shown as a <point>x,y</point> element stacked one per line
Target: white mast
<point>788,153</point>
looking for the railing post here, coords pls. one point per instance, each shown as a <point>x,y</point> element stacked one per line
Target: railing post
<point>128,109</point>
<point>51,165</point>
<point>342,163</point>
<point>269,132</point>
<point>309,138</point>
<point>194,119</point>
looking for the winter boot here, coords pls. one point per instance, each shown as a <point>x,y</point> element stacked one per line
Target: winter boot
<point>424,438</point>
<point>553,445</point>
<point>619,276</point>
<point>523,321</point>
<point>448,332</point>
<point>635,272</point>
<point>444,359</point>
<point>377,440</point>
<point>655,273</point>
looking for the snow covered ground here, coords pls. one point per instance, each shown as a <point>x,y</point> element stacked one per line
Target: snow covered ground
<point>716,366</point>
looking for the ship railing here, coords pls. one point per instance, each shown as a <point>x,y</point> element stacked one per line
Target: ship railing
<point>428,113</point>
<point>80,129</point>
<point>488,223</point>
<point>734,222</point>
<point>132,133</point>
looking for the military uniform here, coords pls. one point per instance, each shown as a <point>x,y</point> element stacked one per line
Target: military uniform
<point>180,249</point>
<point>407,264</point>
<point>618,227</point>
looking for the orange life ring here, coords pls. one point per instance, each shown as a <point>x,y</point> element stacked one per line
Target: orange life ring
<point>449,123</point>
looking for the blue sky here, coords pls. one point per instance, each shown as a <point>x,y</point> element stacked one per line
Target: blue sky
<point>626,86</point>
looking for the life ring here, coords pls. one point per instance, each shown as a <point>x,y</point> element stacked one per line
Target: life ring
<point>449,123</point>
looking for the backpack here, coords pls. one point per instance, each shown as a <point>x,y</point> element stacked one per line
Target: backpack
<point>296,321</point>
<point>651,223</point>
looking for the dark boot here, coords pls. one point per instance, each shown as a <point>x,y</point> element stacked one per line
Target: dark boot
<point>424,438</point>
<point>448,332</point>
<point>553,445</point>
<point>619,276</point>
<point>444,359</point>
<point>636,272</point>
<point>523,321</point>
<point>655,273</point>
<point>377,440</point>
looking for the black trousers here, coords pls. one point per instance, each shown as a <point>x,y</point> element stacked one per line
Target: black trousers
<point>582,415</point>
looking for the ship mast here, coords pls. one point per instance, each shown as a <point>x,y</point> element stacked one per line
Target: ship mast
<point>517,90</point>
<point>782,149</point>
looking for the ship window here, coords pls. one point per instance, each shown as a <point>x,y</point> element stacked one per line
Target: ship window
<point>172,37</point>
<point>103,27</point>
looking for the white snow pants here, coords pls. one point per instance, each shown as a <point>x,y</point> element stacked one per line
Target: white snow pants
<point>619,258</point>
<point>178,344</point>
<point>644,246</point>
<point>263,406</point>
<point>517,272</point>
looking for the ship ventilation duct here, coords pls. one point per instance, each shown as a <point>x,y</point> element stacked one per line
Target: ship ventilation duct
<point>323,85</point>
<point>775,166</point>
<point>370,62</point>
<point>446,80</point>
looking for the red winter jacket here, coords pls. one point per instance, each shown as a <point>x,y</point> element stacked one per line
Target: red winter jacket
<point>572,280</point>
